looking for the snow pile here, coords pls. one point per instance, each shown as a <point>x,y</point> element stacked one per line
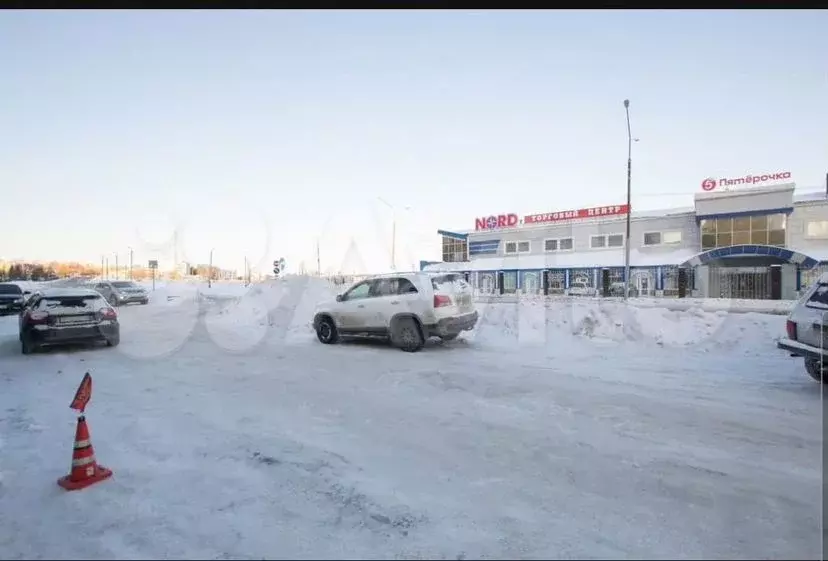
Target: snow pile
<point>555,322</point>
<point>781,307</point>
<point>281,309</point>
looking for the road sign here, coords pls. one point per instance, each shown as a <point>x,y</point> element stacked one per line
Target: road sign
<point>153,264</point>
<point>279,266</point>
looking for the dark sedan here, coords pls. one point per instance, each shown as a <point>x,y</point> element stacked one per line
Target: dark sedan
<point>11,298</point>
<point>58,316</point>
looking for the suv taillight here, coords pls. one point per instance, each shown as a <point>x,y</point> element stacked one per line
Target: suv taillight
<point>441,300</point>
<point>790,327</point>
<point>38,317</point>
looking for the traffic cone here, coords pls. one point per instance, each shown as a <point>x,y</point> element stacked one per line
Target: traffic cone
<point>85,470</point>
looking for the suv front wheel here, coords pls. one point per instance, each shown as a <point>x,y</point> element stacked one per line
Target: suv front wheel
<point>326,331</point>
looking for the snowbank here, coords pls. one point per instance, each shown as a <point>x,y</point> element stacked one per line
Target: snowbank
<point>284,307</point>
<point>553,323</point>
<point>239,318</point>
<point>779,307</point>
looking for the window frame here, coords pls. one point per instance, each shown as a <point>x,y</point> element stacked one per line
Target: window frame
<point>517,247</point>
<point>615,246</point>
<point>644,239</point>
<point>661,236</point>
<point>558,245</point>
<point>606,238</point>
<point>824,224</point>
<point>597,236</point>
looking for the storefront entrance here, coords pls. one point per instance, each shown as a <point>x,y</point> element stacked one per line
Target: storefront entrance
<point>750,283</point>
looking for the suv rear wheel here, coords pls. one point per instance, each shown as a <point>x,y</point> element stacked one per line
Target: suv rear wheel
<point>815,369</point>
<point>406,335</point>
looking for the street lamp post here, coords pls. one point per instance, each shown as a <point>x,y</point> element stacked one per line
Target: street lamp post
<point>116,266</point>
<point>393,231</point>
<point>130,263</point>
<point>629,208</point>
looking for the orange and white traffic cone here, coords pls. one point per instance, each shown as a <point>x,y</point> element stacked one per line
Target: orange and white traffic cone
<point>85,470</point>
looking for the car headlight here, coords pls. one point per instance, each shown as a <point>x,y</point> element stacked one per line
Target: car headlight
<point>18,300</point>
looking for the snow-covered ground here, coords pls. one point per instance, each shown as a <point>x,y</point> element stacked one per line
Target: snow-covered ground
<point>554,430</point>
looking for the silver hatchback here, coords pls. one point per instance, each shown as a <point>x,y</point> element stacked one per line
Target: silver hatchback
<point>807,330</point>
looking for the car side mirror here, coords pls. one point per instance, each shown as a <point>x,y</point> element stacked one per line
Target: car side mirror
<point>339,298</point>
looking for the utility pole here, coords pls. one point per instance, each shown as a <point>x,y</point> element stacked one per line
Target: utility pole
<point>629,207</point>
<point>116,266</point>
<point>130,264</point>
<point>210,271</point>
<point>318,260</point>
<point>394,242</point>
<point>102,268</point>
<point>107,268</point>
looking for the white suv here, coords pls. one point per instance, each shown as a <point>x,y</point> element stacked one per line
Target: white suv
<point>807,330</point>
<point>408,308</point>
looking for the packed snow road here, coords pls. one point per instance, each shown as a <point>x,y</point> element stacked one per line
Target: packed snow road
<point>234,434</point>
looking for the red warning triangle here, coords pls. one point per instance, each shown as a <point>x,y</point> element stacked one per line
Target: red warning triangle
<point>83,395</point>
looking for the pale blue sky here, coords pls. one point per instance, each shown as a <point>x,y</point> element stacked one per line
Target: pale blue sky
<point>250,130</point>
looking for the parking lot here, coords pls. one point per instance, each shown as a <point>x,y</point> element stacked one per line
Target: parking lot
<point>582,430</point>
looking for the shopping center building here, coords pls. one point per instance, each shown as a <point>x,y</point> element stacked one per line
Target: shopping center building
<point>758,242</point>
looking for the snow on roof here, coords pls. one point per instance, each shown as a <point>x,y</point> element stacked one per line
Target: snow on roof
<point>810,197</point>
<point>573,260</point>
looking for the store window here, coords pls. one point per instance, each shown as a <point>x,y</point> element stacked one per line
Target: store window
<point>744,230</point>
<point>455,250</point>
<point>556,281</point>
<point>510,282</point>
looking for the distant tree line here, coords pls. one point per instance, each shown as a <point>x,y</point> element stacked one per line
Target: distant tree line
<point>27,271</point>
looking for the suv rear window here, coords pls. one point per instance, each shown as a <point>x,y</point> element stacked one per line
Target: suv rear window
<point>84,303</point>
<point>10,289</point>
<point>124,284</point>
<point>819,299</point>
<point>451,281</point>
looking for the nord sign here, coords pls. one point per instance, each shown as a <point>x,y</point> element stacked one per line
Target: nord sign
<point>493,222</point>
